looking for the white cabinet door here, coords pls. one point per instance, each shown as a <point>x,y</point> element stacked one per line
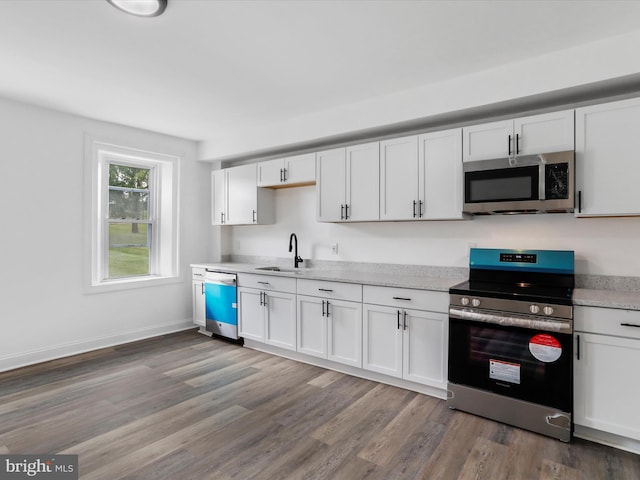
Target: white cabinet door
<point>487,141</point>
<point>363,182</point>
<point>330,185</point>
<point>270,173</point>
<point>300,169</point>
<point>382,340</point>
<point>312,326</point>
<point>425,347</point>
<point>440,155</point>
<point>606,386</point>
<point>242,194</point>
<point>399,179</point>
<point>289,171</point>
<point>198,305</point>
<point>218,197</point>
<point>251,314</point>
<point>280,319</point>
<point>545,133</point>
<point>344,332</point>
<point>607,164</point>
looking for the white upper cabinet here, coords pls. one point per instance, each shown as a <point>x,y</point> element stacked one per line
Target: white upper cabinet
<point>330,185</point>
<point>607,163</point>
<point>399,173</point>
<point>237,200</point>
<point>487,141</point>
<point>348,184</point>
<point>421,177</point>
<point>219,197</point>
<point>544,133</point>
<point>440,164</point>
<point>287,172</point>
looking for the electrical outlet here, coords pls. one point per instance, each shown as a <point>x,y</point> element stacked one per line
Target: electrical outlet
<point>334,248</point>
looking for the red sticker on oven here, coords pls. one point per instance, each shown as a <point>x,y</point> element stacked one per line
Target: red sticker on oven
<point>545,347</point>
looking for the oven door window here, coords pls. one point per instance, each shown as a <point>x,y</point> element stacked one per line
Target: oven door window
<point>530,365</point>
<point>504,184</point>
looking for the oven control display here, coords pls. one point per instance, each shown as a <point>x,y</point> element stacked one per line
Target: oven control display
<point>519,257</point>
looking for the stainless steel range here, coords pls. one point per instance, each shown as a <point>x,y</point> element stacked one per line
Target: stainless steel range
<point>510,339</point>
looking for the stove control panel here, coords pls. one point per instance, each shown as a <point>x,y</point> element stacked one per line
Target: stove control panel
<point>511,306</point>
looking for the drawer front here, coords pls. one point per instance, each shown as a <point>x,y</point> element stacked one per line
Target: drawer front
<point>406,298</point>
<point>334,290</point>
<point>607,321</point>
<point>197,273</point>
<point>267,282</point>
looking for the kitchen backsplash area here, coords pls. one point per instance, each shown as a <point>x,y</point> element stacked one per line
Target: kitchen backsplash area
<point>605,247</point>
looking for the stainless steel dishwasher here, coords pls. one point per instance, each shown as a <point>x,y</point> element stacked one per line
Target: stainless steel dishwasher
<point>221,303</point>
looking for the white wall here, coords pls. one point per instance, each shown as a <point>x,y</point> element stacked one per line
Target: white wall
<point>603,246</point>
<point>593,62</point>
<point>44,312</point>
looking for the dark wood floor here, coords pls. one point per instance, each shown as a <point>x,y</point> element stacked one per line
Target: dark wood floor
<point>184,406</point>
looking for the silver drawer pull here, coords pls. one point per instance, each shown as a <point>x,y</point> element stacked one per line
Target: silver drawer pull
<point>263,283</point>
<point>402,298</point>
<point>325,290</point>
<point>629,325</point>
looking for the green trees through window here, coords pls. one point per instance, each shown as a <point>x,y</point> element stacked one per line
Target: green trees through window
<point>129,221</point>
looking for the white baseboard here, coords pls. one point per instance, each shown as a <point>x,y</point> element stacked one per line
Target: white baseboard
<point>54,352</point>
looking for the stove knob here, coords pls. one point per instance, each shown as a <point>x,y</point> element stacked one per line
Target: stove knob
<point>534,309</point>
<point>464,301</point>
<point>475,302</point>
<point>548,310</point>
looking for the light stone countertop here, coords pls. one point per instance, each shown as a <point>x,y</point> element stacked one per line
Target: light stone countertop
<point>379,278</point>
<point>589,297</point>
<point>407,277</point>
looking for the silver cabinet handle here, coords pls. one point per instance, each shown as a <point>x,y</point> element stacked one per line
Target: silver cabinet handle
<point>323,314</point>
<point>405,320</point>
<point>263,283</point>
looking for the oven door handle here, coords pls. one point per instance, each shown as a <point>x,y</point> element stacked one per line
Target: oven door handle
<point>511,321</point>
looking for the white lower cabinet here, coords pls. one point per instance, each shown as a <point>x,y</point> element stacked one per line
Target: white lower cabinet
<point>406,343</point>
<point>606,386</point>
<point>330,329</point>
<point>330,321</point>
<point>267,315</point>
<point>198,302</point>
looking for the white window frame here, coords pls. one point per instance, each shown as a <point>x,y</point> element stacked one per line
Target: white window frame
<point>164,182</point>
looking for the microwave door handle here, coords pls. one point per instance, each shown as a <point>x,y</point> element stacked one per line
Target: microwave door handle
<point>542,179</point>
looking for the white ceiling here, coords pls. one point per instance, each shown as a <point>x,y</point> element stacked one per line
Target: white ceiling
<point>210,67</point>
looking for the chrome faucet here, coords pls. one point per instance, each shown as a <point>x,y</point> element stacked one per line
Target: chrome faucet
<point>296,259</point>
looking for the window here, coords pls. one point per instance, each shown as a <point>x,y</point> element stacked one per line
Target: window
<point>133,217</point>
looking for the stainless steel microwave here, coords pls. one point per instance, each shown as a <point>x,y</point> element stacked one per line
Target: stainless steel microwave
<point>522,184</point>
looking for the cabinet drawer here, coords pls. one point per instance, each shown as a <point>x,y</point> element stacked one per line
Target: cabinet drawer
<point>607,321</point>
<point>406,298</point>
<point>197,273</point>
<point>334,290</point>
<point>267,282</point>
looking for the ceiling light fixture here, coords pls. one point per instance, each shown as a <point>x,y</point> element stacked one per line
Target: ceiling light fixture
<point>140,8</point>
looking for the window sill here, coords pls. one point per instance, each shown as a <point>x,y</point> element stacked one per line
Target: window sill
<point>131,283</point>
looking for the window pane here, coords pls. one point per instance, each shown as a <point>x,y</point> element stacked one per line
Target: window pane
<point>128,204</point>
<point>129,249</point>
<point>128,192</point>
